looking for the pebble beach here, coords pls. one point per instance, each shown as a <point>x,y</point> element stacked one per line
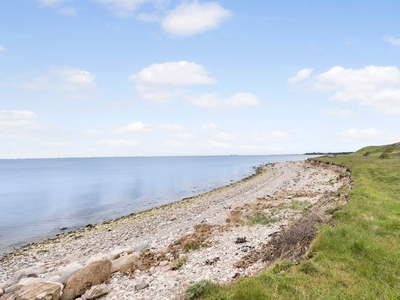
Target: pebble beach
<point>158,253</point>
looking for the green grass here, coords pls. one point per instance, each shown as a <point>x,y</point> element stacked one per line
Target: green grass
<point>358,258</point>
<point>195,245</point>
<point>259,218</point>
<point>301,206</point>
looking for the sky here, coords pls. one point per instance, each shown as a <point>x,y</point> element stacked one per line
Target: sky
<point>94,78</point>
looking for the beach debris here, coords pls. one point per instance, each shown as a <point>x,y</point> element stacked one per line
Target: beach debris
<point>211,262</point>
<point>241,240</point>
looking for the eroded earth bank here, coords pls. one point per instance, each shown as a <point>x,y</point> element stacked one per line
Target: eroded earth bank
<point>222,235</point>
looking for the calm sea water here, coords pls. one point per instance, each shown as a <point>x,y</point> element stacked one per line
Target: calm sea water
<point>38,197</point>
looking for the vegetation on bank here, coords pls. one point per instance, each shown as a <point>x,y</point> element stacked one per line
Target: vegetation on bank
<point>357,258</point>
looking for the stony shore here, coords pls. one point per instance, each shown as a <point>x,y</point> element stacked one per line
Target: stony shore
<point>220,236</point>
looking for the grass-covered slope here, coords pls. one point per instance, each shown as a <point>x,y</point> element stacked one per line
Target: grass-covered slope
<point>357,258</point>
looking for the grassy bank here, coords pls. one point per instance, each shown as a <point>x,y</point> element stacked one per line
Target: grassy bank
<point>357,258</point>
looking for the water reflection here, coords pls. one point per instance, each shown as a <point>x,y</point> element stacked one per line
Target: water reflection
<point>38,197</point>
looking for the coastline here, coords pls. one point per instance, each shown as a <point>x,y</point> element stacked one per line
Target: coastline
<point>277,186</point>
<point>135,215</point>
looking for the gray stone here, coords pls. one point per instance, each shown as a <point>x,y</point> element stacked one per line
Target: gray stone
<point>142,247</point>
<point>30,280</point>
<point>117,264</point>
<point>69,268</point>
<point>141,286</point>
<point>97,291</point>
<point>97,257</point>
<point>164,263</point>
<point>28,272</point>
<point>1,292</point>
<point>116,253</point>
<point>11,289</point>
<point>73,257</point>
<point>64,279</point>
<point>3,285</point>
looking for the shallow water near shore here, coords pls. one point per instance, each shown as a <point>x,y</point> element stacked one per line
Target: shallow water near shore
<point>42,197</point>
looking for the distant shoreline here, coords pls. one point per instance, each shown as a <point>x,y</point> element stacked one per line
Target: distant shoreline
<point>12,241</point>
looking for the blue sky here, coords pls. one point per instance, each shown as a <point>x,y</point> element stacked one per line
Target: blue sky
<point>160,77</point>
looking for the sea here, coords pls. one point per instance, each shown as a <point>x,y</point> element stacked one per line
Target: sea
<point>42,197</point>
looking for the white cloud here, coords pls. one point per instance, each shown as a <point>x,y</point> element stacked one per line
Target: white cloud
<point>2,48</point>
<point>18,123</point>
<point>16,115</point>
<point>68,11</point>
<point>136,127</point>
<point>176,144</point>
<point>57,144</point>
<point>210,126</point>
<point>376,87</point>
<point>340,114</point>
<point>214,144</point>
<point>391,40</point>
<point>120,143</point>
<point>277,136</point>
<point>183,136</point>
<point>162,83</point>
<point>192,18</point>
<point>180,73</point>
<point>64,79</point>
<point>50,2</point>
<point>75,78</point>
<point>300,76</point>
<point>212,100</point>
<point>224,136</point>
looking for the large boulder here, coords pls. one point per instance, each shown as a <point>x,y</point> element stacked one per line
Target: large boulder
<point>38,291</point>
<point>93,274</point>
